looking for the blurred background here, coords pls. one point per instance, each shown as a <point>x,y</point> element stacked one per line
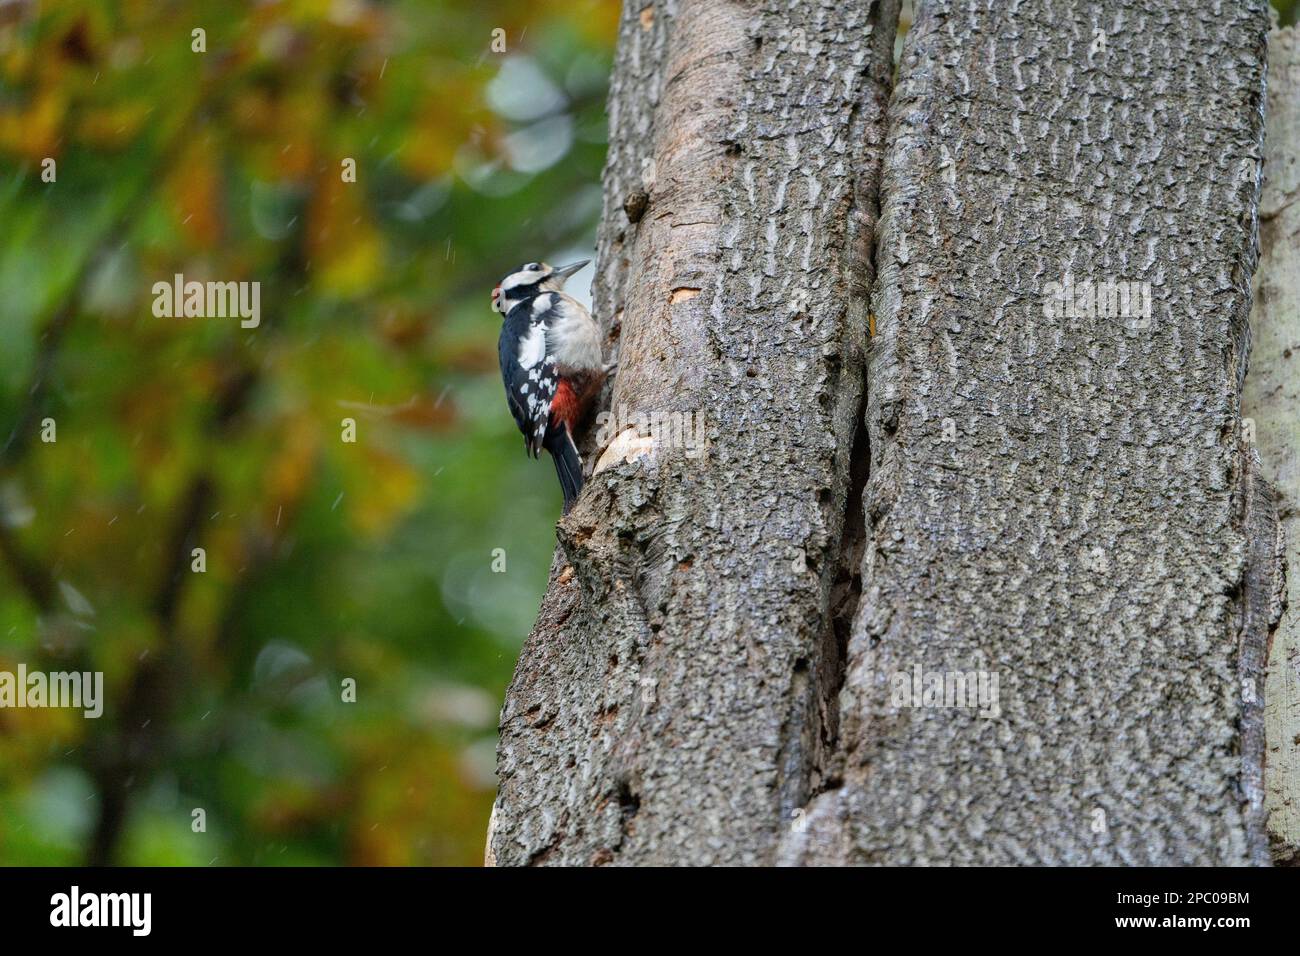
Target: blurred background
<point>410,561</point>
<point>325,560</point>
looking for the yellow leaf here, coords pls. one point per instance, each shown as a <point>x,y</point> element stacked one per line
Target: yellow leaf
<point>344,247</point>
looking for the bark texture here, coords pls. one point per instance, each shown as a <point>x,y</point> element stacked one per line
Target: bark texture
<point>1272,404</point>
<point>1061,503</point>
<point>1065,503</point>
<point>675,700</point>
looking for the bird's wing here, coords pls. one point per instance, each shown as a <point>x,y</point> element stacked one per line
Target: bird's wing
<point>529,374</point>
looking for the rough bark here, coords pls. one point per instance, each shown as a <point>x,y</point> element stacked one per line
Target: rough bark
<point>1065,503</point>
<point>675,700</point>
<point>1272,404</point>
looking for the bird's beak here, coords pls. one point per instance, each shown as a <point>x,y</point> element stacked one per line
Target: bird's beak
<point>563,272</point>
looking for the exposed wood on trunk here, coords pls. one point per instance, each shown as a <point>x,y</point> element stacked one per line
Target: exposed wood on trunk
<point>1272,403</point>
<point>675,701</point>
<point>1061,502</point>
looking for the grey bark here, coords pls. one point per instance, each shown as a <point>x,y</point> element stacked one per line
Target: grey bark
<point>1272,404</point>
<point>673,702</point>
<point>1065,503</point>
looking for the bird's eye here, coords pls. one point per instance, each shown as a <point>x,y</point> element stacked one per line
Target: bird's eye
<point>533,267</point>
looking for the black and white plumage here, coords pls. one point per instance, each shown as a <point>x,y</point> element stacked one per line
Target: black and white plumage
<point>551,364</point>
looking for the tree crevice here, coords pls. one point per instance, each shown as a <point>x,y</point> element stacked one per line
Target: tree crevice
<point>1008,451</point>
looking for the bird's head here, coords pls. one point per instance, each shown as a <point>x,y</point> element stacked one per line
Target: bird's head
<point>529,280</point>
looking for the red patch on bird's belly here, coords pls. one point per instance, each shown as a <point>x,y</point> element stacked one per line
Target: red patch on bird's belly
<point>565,405</point>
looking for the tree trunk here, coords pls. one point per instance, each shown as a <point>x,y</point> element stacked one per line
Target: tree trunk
<point>1058,507</point>
<point>1272,402</point>
<point>675,698</point>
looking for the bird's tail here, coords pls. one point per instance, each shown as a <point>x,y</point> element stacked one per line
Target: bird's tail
<point>568,465</point>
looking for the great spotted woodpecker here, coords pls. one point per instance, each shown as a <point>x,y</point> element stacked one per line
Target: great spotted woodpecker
<point>550,363</point>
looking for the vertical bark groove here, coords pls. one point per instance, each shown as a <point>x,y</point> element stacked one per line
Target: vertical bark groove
<point>1061,502</point>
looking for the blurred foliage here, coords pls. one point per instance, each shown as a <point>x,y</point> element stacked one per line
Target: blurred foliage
<point>325,560</point>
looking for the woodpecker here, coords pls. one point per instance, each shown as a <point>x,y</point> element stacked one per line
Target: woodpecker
<point>550,362</point>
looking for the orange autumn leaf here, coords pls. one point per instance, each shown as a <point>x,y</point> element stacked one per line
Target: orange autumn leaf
<point>291,469</point>
<point>34,131</point>
<point>113,127</point>
<point>195,192</point>
<point>382,488</point>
